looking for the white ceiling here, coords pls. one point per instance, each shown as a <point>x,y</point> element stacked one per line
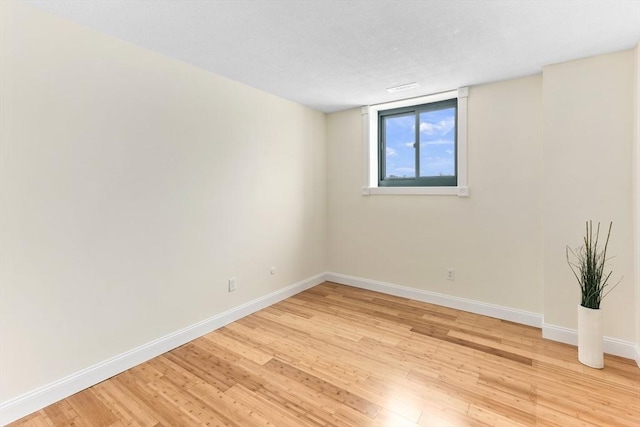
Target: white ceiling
<point>333,55</point>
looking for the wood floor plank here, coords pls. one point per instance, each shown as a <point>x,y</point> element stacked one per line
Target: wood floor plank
<point>332,391</point>
<point>39,419</point>
<point>150,402</point>
<point>218,402</point>
<point>312,405</point>
<point>62,414</point>
<point>91,409</point>
<point>340,356</point>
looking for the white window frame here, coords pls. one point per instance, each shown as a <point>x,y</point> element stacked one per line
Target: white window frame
<point>370,135</point>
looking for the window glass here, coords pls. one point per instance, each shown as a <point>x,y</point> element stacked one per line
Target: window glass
<point>417,145</point>
<point>438,143</point>
<point>400,158</point>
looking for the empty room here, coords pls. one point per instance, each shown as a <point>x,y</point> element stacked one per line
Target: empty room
<point>319,213</point>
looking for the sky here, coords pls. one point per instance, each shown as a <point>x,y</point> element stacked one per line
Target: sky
<point>437,144</point>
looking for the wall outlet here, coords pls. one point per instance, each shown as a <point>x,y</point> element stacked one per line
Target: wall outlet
<point>451,274</point>
<point>232,284</point>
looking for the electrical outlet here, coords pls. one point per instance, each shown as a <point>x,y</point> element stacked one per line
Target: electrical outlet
<point>232,284</point>
<point>451,274</point>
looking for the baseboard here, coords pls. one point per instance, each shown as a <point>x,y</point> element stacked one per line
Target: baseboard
<point>638,355</point>
<point>35,400</point>
<point>613,346</point>
<point>491,310</point>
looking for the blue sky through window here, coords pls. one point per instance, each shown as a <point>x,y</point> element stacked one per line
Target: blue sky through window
<point>400,152</point>
<point>437,144</point>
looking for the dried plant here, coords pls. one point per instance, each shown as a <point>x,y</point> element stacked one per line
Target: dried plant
<point>589,268</point>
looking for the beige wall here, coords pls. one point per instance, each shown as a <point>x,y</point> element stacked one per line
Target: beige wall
<point>492,239</point>
<point>589,122</point>
<point>507,241</point>
<point>133,186</point>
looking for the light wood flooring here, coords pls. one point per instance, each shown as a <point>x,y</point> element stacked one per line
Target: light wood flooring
<point>340,356</point>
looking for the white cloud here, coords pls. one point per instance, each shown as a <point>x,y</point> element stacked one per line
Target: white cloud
<point>409,144</point>
<point>448,151</point>
<point>439,128</point>
<point>391,152</point>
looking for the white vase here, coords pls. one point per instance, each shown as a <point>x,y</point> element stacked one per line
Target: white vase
<point>590,350</point>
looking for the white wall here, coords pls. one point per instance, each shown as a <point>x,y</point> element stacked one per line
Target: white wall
<point>492,239</point>
<point>133,186</point>
<point>589,122</point>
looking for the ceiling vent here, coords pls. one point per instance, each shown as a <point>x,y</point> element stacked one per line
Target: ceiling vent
<point>403,87</point>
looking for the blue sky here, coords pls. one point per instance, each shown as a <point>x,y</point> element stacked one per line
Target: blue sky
<point>437,149</point>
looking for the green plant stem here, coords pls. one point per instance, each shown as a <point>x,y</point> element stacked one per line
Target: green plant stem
<point>589,267</point>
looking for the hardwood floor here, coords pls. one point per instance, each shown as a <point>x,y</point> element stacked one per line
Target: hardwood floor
<point>340,356</point>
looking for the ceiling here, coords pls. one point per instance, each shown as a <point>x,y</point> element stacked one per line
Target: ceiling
<point>333,55</point>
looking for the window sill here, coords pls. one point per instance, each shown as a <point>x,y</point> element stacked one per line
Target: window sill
<point>430,191</point>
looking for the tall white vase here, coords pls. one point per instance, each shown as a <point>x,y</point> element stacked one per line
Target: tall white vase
<point>590,351</point>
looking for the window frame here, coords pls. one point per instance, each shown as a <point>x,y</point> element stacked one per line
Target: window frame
<point>371,129</point>
<point>415,111</point>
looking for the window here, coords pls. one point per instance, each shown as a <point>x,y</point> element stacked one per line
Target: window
<point>417,146</point>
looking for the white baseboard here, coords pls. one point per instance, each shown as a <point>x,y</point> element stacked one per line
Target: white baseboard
<point>35,400</point>
<point>613,346</point>
<point>491,310</point>
<point>638,355</point>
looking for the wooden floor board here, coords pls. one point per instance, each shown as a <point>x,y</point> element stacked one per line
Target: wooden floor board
<point>340,356</point>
